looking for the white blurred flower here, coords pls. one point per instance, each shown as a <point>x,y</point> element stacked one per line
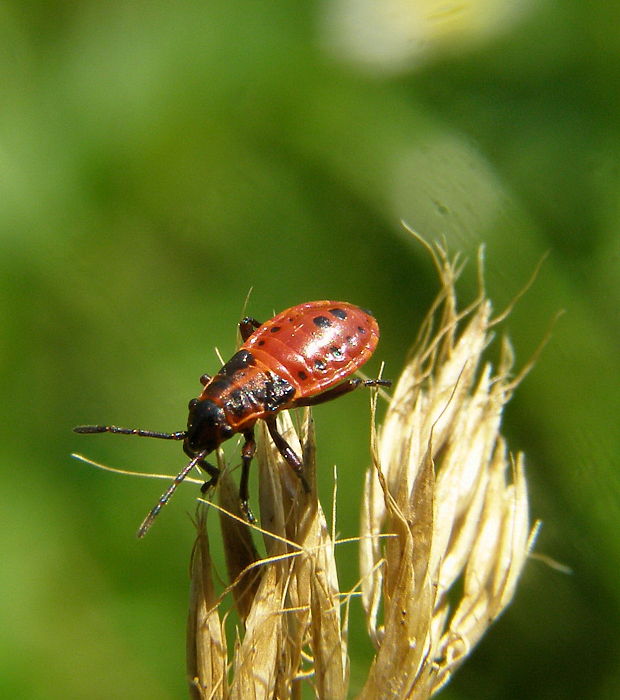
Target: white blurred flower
<point>391,35</point>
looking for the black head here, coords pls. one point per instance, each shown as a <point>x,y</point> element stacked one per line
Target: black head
<point>207,427</point>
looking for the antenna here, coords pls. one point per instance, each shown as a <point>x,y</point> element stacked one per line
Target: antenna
<point>165,497</point>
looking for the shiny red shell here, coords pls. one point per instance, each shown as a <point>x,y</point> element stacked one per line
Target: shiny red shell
<point>296,355</point>
<point>315,345</point>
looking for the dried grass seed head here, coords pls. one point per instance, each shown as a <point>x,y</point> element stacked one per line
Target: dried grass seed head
<point>444,483</point>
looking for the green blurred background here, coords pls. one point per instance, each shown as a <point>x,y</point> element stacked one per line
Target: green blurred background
<point>158,160</point>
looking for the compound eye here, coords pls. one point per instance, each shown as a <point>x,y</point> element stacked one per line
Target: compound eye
<point>192,404</point>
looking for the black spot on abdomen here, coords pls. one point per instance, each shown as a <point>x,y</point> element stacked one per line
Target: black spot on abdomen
<point>338,313</point>
<point>321,321</point>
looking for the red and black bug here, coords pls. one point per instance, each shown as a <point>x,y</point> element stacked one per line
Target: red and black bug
<point>301,357</point>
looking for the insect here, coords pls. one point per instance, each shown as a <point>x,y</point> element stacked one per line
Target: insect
<point>304,356</point>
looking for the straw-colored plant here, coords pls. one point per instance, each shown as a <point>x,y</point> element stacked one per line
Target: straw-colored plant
<point>444,503</point>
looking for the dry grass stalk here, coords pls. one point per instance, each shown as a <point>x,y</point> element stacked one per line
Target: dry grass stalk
<point>290,600</point>
<point>444,484</point>
<point>445,490</point>
<point>206,638</point>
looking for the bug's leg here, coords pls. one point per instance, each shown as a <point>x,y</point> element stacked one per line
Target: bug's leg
<point>247,326</point>
<point>212,471</point>
<point>247,453</point>
<point>344,388</point>
<point>287,451</point>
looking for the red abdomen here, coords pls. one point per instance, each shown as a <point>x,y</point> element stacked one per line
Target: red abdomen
<point>315,345</point>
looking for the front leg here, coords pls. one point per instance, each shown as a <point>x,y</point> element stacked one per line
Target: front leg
<point>247,326</point>
<point>212,471</point>
<point>287,451</point>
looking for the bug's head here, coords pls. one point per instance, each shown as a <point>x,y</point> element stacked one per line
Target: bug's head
<point>207,426</point>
